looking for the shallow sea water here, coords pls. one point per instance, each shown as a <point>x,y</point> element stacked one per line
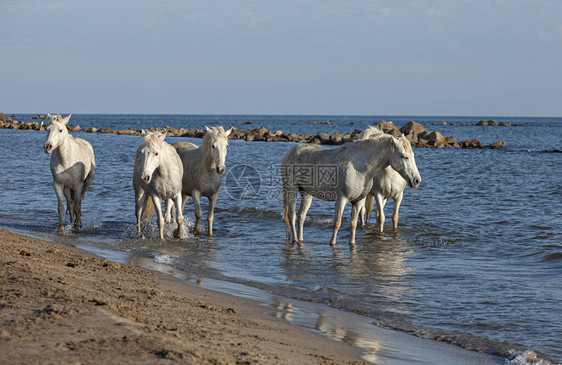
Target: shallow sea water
<point>476,261</point>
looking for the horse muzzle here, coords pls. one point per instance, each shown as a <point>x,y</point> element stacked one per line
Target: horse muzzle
<point>47,148</point>
<point>145,179</point>
<point>415,182</point>
<point>220,170</point>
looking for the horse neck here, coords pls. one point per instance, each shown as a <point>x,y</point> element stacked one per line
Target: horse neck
<point>163,167</point>
<point>376,158</point>
<point>208,161</point>
<point>65,148</point>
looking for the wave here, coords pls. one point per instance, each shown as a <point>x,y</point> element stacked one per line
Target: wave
<point>525,357</point>
<point>555,256</point>
<point>265,214</point>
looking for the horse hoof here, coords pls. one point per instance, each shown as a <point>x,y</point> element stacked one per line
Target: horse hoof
<point>60,229</point>
<point>177,234</point>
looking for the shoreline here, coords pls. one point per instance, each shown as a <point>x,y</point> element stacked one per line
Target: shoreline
<point>280,338</point>
<point>64,305</point>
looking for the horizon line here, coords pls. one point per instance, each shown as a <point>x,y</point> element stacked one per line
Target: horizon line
<point>305,115</point>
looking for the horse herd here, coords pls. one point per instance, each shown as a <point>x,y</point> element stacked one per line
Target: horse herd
<point>376,167</point>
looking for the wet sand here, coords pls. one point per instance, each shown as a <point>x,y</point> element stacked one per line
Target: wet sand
<point>62,305</point>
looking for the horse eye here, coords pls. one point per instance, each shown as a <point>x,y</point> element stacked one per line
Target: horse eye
<point>155,153</point>
<point>60,130</point>
<point>213,146</point>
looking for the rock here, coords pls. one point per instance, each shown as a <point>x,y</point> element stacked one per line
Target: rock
<point>435,139</point>
<point>314,123</point>
<point>488,122</point>
<point>472,143</point>
<point>443,123</point>
<point>259,134</point>
<point>325,122</point>
<point>432,139</point>
<point>93,130</point>
<point>336,138</point>
<point>107,131</point>
<point>504,124</point>
<point>40,116</point>
<point>128,131</point>
<point>389,127</point>
<point>452,142</point>
<point>412,130</point>
<point>249,122</point>
<point>323,138</point>
<point>76,129</point>
<point>497,144</point>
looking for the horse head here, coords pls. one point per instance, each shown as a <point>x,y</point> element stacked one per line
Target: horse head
<point>216,144</point>
<point>56,132</point>
<point>404,163</point>
<point>150,154</point>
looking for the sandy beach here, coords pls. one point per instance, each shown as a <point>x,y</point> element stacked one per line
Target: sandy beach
<point>62,305</point>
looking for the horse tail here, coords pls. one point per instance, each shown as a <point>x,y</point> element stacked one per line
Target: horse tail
<point>286,214</point>
<point>369,201</point>
<point>148,208</point>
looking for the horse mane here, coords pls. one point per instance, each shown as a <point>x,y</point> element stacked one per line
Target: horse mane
<point>380,137</point>
<point>152,139</point>
<point>371,132</point>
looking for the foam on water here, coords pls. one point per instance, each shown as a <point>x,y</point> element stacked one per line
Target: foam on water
<point>526,357</point>
<point>163,259</point>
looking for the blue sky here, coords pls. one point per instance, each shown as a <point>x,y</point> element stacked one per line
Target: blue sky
<point>282,57</point>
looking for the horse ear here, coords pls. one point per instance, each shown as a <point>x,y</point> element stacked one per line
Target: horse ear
<point>208,129</point>
<point>161,136</point>
<point>49,115</point>
<point>228,132</point>
<point>64,121</point>
<point>143,132</point>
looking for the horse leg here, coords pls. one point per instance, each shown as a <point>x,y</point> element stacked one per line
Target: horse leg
<point>211,215</point>
<point>380,212</point>
<point>179,214</point>
<point>158,207</point>
<point>292,205</point>
<point>78,208</point>
<point>69,203</point>
<point>79,195</point>
<point>340,205</point>
<point>169,205</point>
<point>369,202</point>
<point>59,190</point>
<point>355,209</point>
<point>196,196</point>
<point>306,200</point>
<point>397,203</point>
<point>138,207</point>
<point>362,216</point>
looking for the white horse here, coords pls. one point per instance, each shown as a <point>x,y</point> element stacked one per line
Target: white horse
<point>203,168</point>
<point>157,174</point>
<point>343,174</point>
<point>386,184</point>
<point>73,166</point>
